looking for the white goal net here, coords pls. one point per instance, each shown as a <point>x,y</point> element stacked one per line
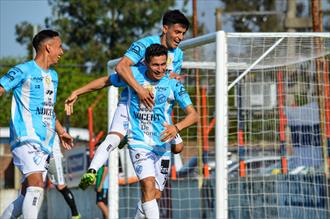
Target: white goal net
<point>261,148</point>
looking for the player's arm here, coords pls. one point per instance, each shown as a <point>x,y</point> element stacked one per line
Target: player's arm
<point>172,130</point>
<point>65,138</point>
<point>90,87</point>
<point>123,69</point>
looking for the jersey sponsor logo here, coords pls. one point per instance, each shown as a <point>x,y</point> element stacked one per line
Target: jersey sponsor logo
<point>37,79</point>
<point>138,169</point>
<point>11,75</point>
<point>182,91</point>
<point>45,111</point>
<point>135,48</point>
<point>146,116</point>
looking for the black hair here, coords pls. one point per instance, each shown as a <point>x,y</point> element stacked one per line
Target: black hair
<point>155,50</point>
<point>175,17</point>
<point>42,36</point>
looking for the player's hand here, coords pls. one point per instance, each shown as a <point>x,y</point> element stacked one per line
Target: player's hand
<point>146,97</point>
<point>66,140</point>
<point>69,103</point>
<point>169,133</point>
<point>175,76</point>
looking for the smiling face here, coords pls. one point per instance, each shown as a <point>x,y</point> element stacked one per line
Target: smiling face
<point>174,34</point>
<point>54,49</point>
<point>157,67</point>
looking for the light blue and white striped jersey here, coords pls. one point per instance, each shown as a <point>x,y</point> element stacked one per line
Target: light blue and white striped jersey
<point>32,109</point>
<point>137,51</point>
<point>146,125</point>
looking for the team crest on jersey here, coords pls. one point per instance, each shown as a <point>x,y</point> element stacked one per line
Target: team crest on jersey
<point>150,88</point>
<point>48,80</point>
<point>169,62</point>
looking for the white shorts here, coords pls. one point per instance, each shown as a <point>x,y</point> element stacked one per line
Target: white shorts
<point>147,163</point>
<point>55,170</point>
<point>120,123</point>
<point>120,120</point>
<point>29,158</point>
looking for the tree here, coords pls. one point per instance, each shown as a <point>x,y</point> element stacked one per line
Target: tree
<point>252,22</point>
<point>96,31</point>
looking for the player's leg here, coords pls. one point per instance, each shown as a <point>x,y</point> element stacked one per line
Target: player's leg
<point>143,162</point>
<point>177,144</point>
<point>56,176</point>
<point>102,201</point>
<point>32,162</point>
<point>117,132</point>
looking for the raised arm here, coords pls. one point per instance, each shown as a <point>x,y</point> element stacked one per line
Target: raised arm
<point>90,87</point>
<point>172,130</point>
<point>123,69</point>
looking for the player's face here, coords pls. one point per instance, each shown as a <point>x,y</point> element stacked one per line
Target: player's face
<point>157,67</point>
<point>174,35</point>
<point>55,49</point>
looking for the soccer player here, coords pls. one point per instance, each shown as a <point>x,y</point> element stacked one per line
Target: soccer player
<point>56,176</point>
<point>151,130</point>
<point>33,123</point>
<point>175,25</point>
<point>102,185</point>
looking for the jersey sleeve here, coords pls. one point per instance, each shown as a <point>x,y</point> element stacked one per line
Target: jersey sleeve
<point>181,95</point>
<point>116,80</point>
<point>13,78</point>
<point>137,51</point>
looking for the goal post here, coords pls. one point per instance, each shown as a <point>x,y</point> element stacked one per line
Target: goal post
<point>265,116</point>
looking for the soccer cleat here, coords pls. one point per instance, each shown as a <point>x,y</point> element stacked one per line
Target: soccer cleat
<point>76,217</point>
<point>87,179</point>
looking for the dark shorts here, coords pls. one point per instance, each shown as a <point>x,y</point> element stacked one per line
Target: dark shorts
<point>102,196</point>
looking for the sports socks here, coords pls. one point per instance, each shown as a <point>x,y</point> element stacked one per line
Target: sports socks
<point>32,202</point>
<point>14,210</point>
<point>102,152</point>
<point>68,196</point>
<point>151,209</point>
<point>139,213</point>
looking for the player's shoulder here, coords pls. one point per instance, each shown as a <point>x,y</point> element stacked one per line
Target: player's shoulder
<point>174,84</point>
<point>148,40</point>
<point>23,67</point>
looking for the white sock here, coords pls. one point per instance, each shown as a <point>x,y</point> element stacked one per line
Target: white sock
<point>151,209</point>
<point>32,202</point>
<point>139,213</point>
<point>14,210</point>
<point>102,153</point>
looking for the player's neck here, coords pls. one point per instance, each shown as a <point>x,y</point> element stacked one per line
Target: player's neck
<point>163,41</point>
<point>42,62</point>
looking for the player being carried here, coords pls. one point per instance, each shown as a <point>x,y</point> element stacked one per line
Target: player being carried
<point>175,25</point>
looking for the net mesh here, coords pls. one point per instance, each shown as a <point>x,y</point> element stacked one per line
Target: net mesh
<point>278,132</point>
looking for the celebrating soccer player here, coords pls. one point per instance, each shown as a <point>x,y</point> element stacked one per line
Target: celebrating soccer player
<point>33,123</point>
<point>151,130</point>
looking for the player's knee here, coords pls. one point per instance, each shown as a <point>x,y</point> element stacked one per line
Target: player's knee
<point>35,179</point>
<point>60,187</point>
<point>177,148</point>
<point>148,188</point>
